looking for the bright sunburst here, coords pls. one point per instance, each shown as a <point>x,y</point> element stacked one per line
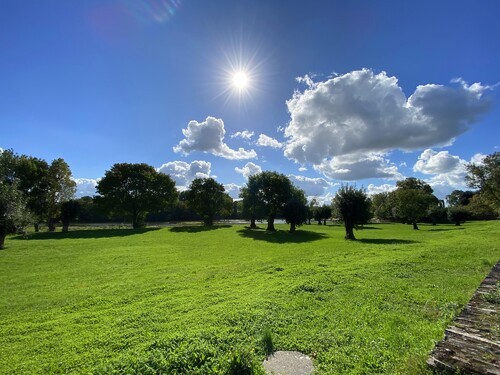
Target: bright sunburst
<point>240,80</point>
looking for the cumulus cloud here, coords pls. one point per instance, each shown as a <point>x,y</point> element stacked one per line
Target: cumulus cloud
<point>208,137</point>
<point>184,173</point>
<point>302,169</point>
<point>354,167</point>
<point>249,169</point>
<point>362,113</point>
<point>311,186</point>
<point>266,141</point>
<point>376,189</point>
<point>245,134</point>
<point>233,190</point>
<point>85,187</point>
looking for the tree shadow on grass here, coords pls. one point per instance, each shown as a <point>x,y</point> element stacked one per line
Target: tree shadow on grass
<point>386,241</point>
<point>86,233</point>
<point>197,228</point>
<point>281,236</point>
<point>369,228</point>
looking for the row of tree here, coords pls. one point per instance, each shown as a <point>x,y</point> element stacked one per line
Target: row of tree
<point>33,191</point>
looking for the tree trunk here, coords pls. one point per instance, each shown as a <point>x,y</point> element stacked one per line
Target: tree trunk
<point>270,224</point>
<point>65,226</point>
<point>309,221</point>
<point>252,223</point>
<point>349,232</point>
<point>457,223</point>
<point>208,221</point>
<point>2,241</point>
<point>292,227</point>
<point>415,226</point>
<point>319,222</point>
<point>37,227</point>
<point>51,225</point>
<point>324,221</point>
<point>138,221</point>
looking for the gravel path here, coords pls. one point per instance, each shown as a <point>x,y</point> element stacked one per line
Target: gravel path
<point>288,363</point>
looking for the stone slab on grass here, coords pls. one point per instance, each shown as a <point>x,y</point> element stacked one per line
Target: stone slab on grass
<point>288,363</point>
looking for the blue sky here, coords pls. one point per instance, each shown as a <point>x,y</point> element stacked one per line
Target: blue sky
<point>365,92</point>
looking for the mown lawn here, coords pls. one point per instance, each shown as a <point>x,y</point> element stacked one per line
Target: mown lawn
<point>185,300</point>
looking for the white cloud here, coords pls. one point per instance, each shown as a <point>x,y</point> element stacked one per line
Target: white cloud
<point>233,190</point>
<point>184,173</point>
<point>208,136</point>
<point>302,169</point>
<point>353,167</point>
<point>249,169</point>
<point>266,141</point>
<point>85,187</point>
<point>432,162</point>
<point>245,134</point>
<point>311,186</point>
<point>362,113</point>
<point>376,189</point>
<point>478,158</point>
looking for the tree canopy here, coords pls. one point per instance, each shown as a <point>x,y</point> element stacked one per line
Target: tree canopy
<point>134,190</point>
<point>486,177</point>
<point>208,198</point>
<point>353,208</point>
<point>295,210</point>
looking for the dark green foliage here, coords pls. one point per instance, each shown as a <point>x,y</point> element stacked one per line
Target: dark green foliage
<point>458,214</point>
<point>134,190</point>
<point>322,214</point>
<point>69,211</point>
<point>242,362</point>
<point>208,198</point>
<point>267,342</point>
<point>13,213</point>
<point>268,192</point>
<point>352,207</point>
<point>412,200</point>
<point>459,198</point>
<point>382,204</point>
<point>486,178</point>
<point>437,214</point>
<point>295,209</point>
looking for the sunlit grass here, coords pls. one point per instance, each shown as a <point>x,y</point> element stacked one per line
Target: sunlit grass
<point>98,300</point>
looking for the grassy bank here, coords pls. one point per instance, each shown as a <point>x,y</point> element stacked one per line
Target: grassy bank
<point>187,298</point>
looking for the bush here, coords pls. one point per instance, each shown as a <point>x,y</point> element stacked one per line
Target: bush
<point>458,214</point>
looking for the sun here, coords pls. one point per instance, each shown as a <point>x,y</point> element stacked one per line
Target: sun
<point>240,80</point>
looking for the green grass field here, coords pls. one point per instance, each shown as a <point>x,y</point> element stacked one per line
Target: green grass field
<point>188,300</point>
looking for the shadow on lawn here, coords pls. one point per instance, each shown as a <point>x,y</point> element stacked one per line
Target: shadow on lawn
<point>86,233</point>
<point>281,236</point>
<point>196,228</point>
<point>445,229</point>
<point>386,241</point>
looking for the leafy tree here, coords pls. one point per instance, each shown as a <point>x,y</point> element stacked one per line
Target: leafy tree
<point>382,205</point>
<point>412,199</point>
<point>253,209</point>
<point>321,214</point>
<point>60,188</point>
<point>459,198</point>
<point>134,190</point>
<point>295,209</point>
<point>311,210</point>
<point>69,211</point>
<point>208,198</point>
<point>33,175</point>
<point>437,214</point>
<point>480,210</point>
<point>458,214</point>
<point>486,178</point>
<point>271,191</point>
<point>353,208</point>
<point>13,213</point>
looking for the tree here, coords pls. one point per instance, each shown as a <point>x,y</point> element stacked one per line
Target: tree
<point>60,188</point>
<point>271,191</point>
<point>486,178</point>
<point>481,210</point>
<point>412,199</point>
<point>353,208</point>
<point>459,198</point>
<point>458,214</point>
<point>208,198</point>
<point>13,213</point>
<point>321,214</point>
<point>69,211</point>
<point>437,214</point>
<point>133,190</point>
<point>382,206</point>
<point>253,208</point>
<point>33,175</point>
<point>295,209</point>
